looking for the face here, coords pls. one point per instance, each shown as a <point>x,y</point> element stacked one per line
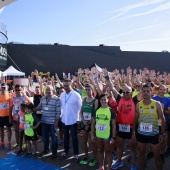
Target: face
<point>109,92</point>
<point>127,93</point>
<point>162,90</point>
<point>146,93</point>
<point>88,91</point>
<point>49,91</point>
<point>18,91</point>
<point>61,91</point>
<point>49,82</point>
<point>67,86</point>
<point>37,91</point>
<point>104,101</point>
<point>3,89</point>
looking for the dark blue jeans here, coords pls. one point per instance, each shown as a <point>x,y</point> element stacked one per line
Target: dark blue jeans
<point>46,130</point>
<point>73,129</point>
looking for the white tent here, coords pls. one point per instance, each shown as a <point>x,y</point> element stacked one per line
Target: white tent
<point>11,71</point>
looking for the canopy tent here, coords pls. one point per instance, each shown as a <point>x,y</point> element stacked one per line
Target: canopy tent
<point>11,71</point>
<point>2,73</point>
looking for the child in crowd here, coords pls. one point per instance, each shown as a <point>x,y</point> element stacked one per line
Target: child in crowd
<point>21,115</point>
<point>31,123</point>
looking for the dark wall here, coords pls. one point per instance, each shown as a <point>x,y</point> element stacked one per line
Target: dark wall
<point>59,58</point>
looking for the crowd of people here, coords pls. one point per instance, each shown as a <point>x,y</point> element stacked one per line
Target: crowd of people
<point>108,107</point>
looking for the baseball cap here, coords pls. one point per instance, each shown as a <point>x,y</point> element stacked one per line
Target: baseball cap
<point>3,85</point>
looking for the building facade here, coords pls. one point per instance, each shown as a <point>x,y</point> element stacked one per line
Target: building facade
<point>3,46</point>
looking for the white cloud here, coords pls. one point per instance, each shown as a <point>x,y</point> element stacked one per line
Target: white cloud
<point>163,7</point>
<point>130,32</point>
<point>130,7</point>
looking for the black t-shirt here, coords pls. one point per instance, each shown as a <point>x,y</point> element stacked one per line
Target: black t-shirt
<point>37,99</point>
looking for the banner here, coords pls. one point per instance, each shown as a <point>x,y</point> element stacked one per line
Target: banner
<point>21,81</point>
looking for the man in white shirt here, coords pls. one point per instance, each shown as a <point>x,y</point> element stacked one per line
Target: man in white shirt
<point>70,107</point>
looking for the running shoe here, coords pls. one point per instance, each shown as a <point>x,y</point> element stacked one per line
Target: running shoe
<point>15,146</point>
<point>117,164</point>
<point>84,161</point>
<point>24,147</point>
<point>92,162</point>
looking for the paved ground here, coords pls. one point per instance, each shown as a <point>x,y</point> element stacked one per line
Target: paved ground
<point>69,163</point>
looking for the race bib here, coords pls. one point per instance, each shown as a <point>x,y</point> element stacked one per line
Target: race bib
<point>101,127</point>
<point>145,127</point>
<point>4,106</point>
<point>124,128</point>
<point>87,116</point>
<point>26,126</point>
<point>17,107</point>
<point>22,120</point>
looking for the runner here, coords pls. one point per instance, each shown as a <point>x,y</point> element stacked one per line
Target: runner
<point>105,122</point>
<point>5,102</point>
<point>148,112</point>
<point>89,104</point>
<point>124,120</point>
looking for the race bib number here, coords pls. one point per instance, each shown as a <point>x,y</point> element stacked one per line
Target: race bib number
<point>101,127</point>
<point>26,126</point>
<point>87,116</point>
<point>4,106</point>
<point>124,128</point>
<point>17,107</point>
<point>22,120</point>
<point>145,127</point>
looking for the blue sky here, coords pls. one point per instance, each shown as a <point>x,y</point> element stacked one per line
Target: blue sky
<point>134,25</point>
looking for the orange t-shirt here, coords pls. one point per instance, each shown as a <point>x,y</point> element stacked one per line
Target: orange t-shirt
<point>5,103</point>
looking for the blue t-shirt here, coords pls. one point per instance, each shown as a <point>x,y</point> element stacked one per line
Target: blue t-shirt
<point>166,102</point>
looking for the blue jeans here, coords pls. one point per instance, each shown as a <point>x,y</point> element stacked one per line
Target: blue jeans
<point>46,130</point>
<point>73,129</point>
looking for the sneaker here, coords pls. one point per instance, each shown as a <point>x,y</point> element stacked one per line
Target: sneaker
<point>84,161</point>
<point>117,164</point>
<point>2,145</point>
<point>64,155</point>
<point>53,156</point>
<point>9,146</point>
<point>15,146</point>
<point>133,167</point>
<point>92,162</point>
<point>19,152</point>
<point>76,159</point>
<point>43,153</point>
<point>24,147</point>
<point>27,154</point>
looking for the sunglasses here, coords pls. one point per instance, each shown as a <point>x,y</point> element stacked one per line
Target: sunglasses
<point>126,92</point>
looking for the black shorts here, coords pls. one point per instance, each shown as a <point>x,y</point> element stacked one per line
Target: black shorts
<point>147,139</point>
<point>82,125</point>
<point>32,138</point>
<point>124,135</point>
<point>167,126</point>
<point>4,121</point>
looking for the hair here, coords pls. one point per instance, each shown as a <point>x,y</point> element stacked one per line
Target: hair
<point>99,103</point>
<point>66,80</point>
<point>146,86</point>
<point>162,86</point>
<point>17,86</point>
<point>30,106</point>
<point>23,105</point>
<point>89,85</point>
